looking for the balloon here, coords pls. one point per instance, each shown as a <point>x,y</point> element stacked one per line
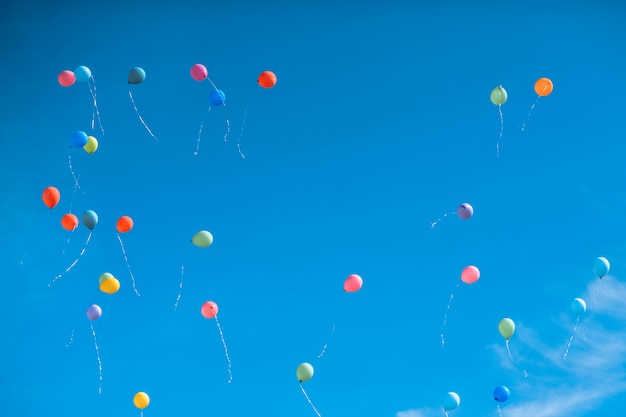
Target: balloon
<point>543,86</point>
<point>267,79</point>
<point>209,309</point>
<point>498,96</point>
<point>105,276</point>
<point>199,72</point>
<point>501,394</point>
<point>353,283</point>
<point>217,97</point>
<point>90,219</point>
<point>51,196</point>
<point>601,266</point>
<point>451,401</point>
<point>506,327</point>
<point>82,74</point>
<point>470,274</point>
<point>304,372</point>
<point>141,400</point>
<point>110,285</point>
<point>94,312</point>
<point>124,224</point>
<point>465,211</point>
<point>578,306</point>
<point>202,239</point>
<point>92,145</point>
<point>66,78</point>
<point>69,221</point>
<point>136,75</point>
<point>78,139</point>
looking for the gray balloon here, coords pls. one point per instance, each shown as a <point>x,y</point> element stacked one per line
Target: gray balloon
<point>90,219</point>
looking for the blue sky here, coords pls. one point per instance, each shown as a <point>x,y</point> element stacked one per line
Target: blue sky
<point>380,123</point>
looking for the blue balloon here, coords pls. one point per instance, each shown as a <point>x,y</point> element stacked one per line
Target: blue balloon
<point>451,401</point>
<point>79,139</point>
<point>136,75</point>
<point>578,306</point>
<point>601,266</point>
<point>82,74</point>
<point>501,394</point>
<point>217,97</point>
<point>90,219</point>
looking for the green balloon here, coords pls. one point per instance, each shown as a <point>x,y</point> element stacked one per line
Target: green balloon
<point>304,372</point>
<point>105,276</point>
<point>506,327</point>
<point>202,239</point>
<point>498,96</point>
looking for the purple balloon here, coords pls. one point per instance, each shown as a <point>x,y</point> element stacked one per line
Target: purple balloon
<point>465,211</point>
<point>94,312</point>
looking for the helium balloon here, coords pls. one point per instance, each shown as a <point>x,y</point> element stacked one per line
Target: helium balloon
<point>124,224</point>
<point>353,283</point>
<point>94,312</point>
<point>501,394</point>
<point>90,219</point>
<point>199,72</point>
<point>451,401</point>
<point>601,266</point>
<point>304,372</point>
<point>217,97</point>
<point>66,78</point>
<point>141,400</point>
<point>465,211</point>
<point>470,274</point>
<point>543,86</point>
<point>267,79</point>
<point>51,196</point>
<point>202,239</point>
<point>78,139</point>
<point>209,309</point>
<point>110,285</point>
<point>506,327</point>
<point>578,306</point>
<point>136,75</point>
<point>92,145</point>
<point>82,74</point>
<point>105,276</point>
<point>498,96</point>
<point>69,221</point>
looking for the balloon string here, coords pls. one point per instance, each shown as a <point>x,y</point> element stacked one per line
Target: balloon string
<point>227,130</point>
<point>529,111</point>
<point>230,374</point>
<point>508,349</point>
<point>200,133</point>
<point>432,224</point>
<point>499,410</point>
<point>73,263</point>
<point>245,114</point>
<point>309,400</point>
<point>445,412</point>
<point>180,287</point>
<point>132,277</point>
<point>76,184</point>
<point>95,341</point>
<point>71,340</point>
<point>326,345</point>
<point>501,130</point>
<point>95,112</point>
<point>569,343</point>
<point>212,83</point>
<point>445,316</point>
<point>130,94</point>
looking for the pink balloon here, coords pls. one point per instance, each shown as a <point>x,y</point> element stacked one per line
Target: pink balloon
<point>66,78</point>
<point>209,309</point>
<point>470,274</point>
<point>199,72</point>
<point>353,283</point>
<point>465,211</point>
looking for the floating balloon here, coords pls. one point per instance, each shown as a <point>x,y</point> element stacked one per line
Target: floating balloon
<point>451,401</point>
<point>601,266</point>
<point>66,78</point>
<point>92,145</point>
<point>51,196</point>
<point>82,73</point>
<point>304,372</point>
<point>199,72</point>
<point>141,400</point>
<point>124,224</point>
<point>353,283</point>
<point>470,274</point>
<point>105,276</point>
<point>90,219</point>
<point>578,306</point>
<point>94,312</point>
<point>543,87</point>
<point>209,309</point>
<point>202,239</point>
<point>501,394</point>
<point>465,211</point>
<point>110,285</point>
<point>217,97</point>
<point>136,75</point>
<point>498,96</point>
<point>69,221</point>
<point>267,79</point>
<point>78,139</point>
<point>506,327</point>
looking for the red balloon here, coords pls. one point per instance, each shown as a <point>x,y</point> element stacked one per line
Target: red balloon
<point>69,221</point>
<point>199,72</point>
<point>66,78</point>
<point>51,196</point>
<point>470,274</point>
<point>209,309</point>
<point>353,283</point>
<point>124,224</point>
<point>267,79</point>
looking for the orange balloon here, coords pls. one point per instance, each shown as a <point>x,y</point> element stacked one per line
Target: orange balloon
<point>124,224</point>
<point>267,79</point>
<point>543,86</point>
<point>51,197</point>
<point>69,221</point>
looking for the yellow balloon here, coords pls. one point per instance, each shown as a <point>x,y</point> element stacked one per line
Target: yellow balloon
<point>141,400</point>
<point>91,145</point>
<point>110,285</point>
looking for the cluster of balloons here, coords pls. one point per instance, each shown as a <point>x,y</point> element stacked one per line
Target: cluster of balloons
<point>80,139</point>
<point>108,283</point>
<point>81,74</point>
<point>543,87</point>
